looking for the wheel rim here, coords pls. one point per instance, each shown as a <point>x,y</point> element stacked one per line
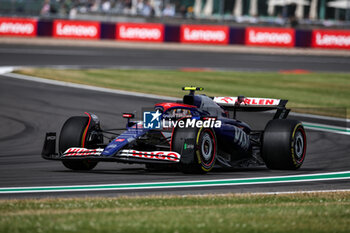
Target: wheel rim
<point>299,145</point>
<point>207,147</point>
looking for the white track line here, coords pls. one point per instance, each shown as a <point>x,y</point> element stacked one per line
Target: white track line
<point>6,69</point>
<point>87,87</point>
<point>182,184</point>
<point>327,128</point>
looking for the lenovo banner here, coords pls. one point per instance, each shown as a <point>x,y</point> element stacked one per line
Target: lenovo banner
<point>281,37</point>
<point>204,34</point>
<point>18,27</point>
<point>76,29</point>
<point>332,39</point>
<point>151,32</point>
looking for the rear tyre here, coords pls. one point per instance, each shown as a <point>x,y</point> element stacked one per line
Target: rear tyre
<point>284,144</point>
<point>72,135</point>
<point>197,148</point>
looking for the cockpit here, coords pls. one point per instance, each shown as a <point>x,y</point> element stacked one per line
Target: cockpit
<point>191,106</point>
<point>204,103</point>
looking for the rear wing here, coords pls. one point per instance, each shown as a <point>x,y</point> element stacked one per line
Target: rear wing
<point>253,104</point>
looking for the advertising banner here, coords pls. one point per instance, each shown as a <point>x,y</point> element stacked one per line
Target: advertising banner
<point>206,34</point>
<point>151,32</point>
<point>18,27</point>
<point>76,29</point>
<point>331,39</point>
<point>280,37</point>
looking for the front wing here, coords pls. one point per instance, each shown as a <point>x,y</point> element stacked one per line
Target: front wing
<point>124,155</point>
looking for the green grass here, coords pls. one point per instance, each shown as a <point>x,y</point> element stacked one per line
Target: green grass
<point>322,212</point>
<point>321,93</point>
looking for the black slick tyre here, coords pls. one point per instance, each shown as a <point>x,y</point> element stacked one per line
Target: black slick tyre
<point>73,134</point>
<point>197,147</point>
<point>284,144</point>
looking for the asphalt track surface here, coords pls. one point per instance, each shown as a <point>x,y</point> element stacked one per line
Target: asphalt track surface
<point>25,55</point>
<point>29,109</point>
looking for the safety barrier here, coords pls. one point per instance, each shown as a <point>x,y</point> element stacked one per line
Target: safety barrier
<point>185,33</point>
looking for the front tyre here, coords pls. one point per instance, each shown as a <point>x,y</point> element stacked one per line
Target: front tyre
<point>74,134</point>
<point>284,144</point>
<point>197,147</point>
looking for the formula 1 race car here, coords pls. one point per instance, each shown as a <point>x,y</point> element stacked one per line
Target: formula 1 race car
<point>192,135</point>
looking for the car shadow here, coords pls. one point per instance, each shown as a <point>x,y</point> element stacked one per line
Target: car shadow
<point>177,173</point>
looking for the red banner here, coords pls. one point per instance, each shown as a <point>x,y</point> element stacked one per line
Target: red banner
<point>281,37</point>
<point>332,39</point>
<point>76,29</point>
<point>151,32</point>
<point>18,27</point>
<point>204,34</point>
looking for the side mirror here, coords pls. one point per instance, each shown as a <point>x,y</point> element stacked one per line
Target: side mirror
<point>128,115</point>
